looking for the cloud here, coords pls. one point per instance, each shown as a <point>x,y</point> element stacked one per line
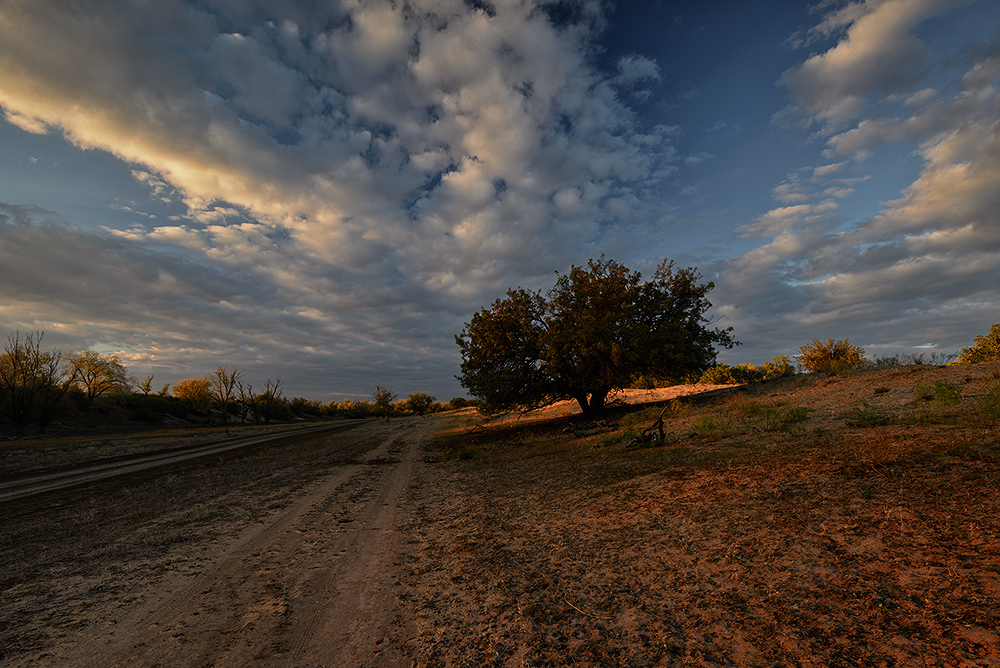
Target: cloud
<point>922,268</point>
<point>879,55</point>
<point>389,168</point>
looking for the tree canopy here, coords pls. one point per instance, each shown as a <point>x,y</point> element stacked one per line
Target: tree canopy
<point>98,374</point>
<point>985,348</point>
<point>597,330</point>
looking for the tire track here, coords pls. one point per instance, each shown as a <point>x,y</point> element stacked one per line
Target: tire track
<point>311,587</point>
<point>48,482</point>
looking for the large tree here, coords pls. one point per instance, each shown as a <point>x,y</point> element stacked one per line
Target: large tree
<point>597,330</point>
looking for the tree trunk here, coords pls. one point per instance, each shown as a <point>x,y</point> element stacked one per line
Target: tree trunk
<point>597,403</point>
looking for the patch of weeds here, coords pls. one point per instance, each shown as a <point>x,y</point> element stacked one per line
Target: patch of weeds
<point>675,408</point>
<point>977,446</point>
<point>759,417</point>
<point>623,436</point>
<point>987,407</point>
<point>940,392</point>
<point>937,399</point>
<point>711,425</point>
<point>863,414</point>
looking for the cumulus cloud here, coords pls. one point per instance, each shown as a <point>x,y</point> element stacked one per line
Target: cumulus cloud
<point>351,155</point>
<point>879,55</point>
<point>932,252</point>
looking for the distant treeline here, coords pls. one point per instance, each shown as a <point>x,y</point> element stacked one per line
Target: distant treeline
<point>41,387</point>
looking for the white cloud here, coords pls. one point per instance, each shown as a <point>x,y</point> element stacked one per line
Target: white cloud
<point>878,55</point>
<point>924,266</point>
<point>353,158</point>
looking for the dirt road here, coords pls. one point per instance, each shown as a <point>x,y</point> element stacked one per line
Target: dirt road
<point>34,484</point>
<point>311,585</point>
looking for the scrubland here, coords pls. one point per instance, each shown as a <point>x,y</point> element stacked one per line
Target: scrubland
<point>846,520</point>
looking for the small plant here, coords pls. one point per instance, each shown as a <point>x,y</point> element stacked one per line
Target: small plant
<point>988,407</point>
<point>710,425</point>
<point>755,416</point>
<point>942,392</point>
<point>833,357</point>
<point>863,414</point>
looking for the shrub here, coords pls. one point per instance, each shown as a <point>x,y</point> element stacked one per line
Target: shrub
<point>780,366</point>
<point>741,374</point>
<point>863,414</point>
<point>941,392</point>
<point>833,357</point>
<point>985,348</point>
<point>988,407</point>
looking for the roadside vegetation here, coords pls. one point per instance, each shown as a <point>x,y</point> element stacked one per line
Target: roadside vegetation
<point>42,390</point>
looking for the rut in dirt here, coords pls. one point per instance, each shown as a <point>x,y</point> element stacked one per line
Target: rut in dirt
<point>312,586</point>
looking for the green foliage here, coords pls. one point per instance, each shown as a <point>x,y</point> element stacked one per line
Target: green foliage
<point>420,403</point>
<point>941,392</point>
<point>985,348</point>
<point>383,398</point>
<point>987,407</point>
<point>712,425</point>
<point>599,327</point>
<point>306,407</point>
<point>271,404</point>
<point>833,357</point>
<point>458,403</point>
<point>742,374</point>
<point>762,417</point>
<point>863,414</point>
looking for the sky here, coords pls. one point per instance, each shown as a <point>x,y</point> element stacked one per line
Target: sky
<point>328,190</point>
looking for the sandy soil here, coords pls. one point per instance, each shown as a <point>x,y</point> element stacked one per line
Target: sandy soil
<point>424,542</point>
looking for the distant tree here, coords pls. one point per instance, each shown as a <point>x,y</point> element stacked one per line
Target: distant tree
<point>33,382</point>
<point>420,402</point>
<point>195,393</point>
<point>99,374</point>
<point>246,402</point>
<point>985,348</point>
<point>225,386</point>
<point>270,404</point>
<point>146,386</point>
<point>310,407</point>
<point>457,403</point>
<point>831,356</point>
<point>383,398</point>
<point>597,330</point>
<point>164,391</point>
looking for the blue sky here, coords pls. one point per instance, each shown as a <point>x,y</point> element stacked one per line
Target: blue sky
<point>328,191</point>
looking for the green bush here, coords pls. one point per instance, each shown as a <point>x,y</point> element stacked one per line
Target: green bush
<point>760,417</point>
<point>834,357</point>
<point>863,414</point>
<point>942,392</point>
<point>988,407</point>
<point>741,374</point>
<point>985,348</point>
